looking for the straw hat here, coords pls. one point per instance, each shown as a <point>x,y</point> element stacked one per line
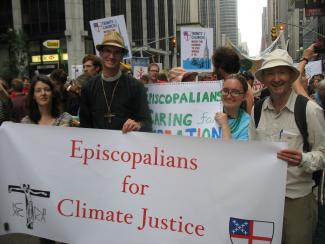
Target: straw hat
<point>278,57</point>
<point>112,38</point>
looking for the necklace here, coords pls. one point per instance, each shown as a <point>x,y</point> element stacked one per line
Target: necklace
<point>109,115</point>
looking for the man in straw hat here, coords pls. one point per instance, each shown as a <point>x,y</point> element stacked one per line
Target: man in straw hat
<point>277,123</point>
<point>112,99</point>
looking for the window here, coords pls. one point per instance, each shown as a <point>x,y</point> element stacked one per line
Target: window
<point>43,18</point>
<point>136,11</point>
<point>5,16</point>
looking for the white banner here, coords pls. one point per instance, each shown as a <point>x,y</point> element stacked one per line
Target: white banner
<point>196,49</point>
<point>84,186</point>
<point>185,108</point>
<point>115,23</point>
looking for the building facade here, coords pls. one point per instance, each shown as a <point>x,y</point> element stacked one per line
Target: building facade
<point>229,20</point>
<point>304,23</point>
<point>150,24</point>
<point>265,30</point>
<point>209,16</point>
<point>188,12</point>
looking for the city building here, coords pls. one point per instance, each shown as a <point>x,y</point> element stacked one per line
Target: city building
<point>229,20</point>
<point>188,12</point>
<point>265,30</point>
<point>209,16</point>
<point>150,25</point>
<point>303,22</point>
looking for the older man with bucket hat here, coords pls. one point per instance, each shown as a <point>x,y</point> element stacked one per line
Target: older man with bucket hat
<point>112,99</point>
<point>277,123</point>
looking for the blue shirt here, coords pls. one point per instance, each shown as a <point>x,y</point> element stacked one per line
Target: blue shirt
<point>241,130</point>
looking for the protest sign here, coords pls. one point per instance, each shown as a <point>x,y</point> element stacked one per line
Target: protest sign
<point>115,23</point>
<point>196,49</point>
<point>77,185</point>
<point>186,108</point>
<point>139,66</point>
<point>139,71</point>
<point>312,68</point>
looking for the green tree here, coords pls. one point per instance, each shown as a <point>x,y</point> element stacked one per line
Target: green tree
<point>17,64</point>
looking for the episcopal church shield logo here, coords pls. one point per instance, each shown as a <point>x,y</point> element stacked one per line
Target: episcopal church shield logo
<point>244,231</point>
<point>187,35</point>
<point>97,26</point>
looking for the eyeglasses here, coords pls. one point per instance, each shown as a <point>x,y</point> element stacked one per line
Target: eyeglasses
<point>111,52</point>
<point>232,92</point>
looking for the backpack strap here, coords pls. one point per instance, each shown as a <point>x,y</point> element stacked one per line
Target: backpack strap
<point>299,113</point>
<point>300,119</point>
<point>258,110</point>
<point>301,122</point>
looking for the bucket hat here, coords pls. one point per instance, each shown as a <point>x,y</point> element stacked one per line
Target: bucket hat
<point>112,38</point>
<point>278,57</point>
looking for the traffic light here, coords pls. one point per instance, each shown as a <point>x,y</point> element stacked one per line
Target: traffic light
<point>274,34</point>
<point>281,27</point>
<point>173,41</point>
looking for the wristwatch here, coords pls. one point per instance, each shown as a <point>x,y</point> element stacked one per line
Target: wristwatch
<point>304,59</point>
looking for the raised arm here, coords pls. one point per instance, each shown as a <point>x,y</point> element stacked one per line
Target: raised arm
<point>308,55</point>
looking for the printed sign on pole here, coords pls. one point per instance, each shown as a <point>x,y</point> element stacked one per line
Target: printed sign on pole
<point>196,49</point>
<point>139,71</point>
<point>116,23</point>
<point>140,66</point>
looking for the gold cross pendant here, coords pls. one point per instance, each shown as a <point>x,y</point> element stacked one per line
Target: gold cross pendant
<point>109,117</point>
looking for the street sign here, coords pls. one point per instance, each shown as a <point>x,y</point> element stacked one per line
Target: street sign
<point>52,44</point>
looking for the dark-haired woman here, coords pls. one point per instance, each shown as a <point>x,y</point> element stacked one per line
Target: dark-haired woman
<point>43,104</point>
<point>44,108</point>
<point>234,120</point>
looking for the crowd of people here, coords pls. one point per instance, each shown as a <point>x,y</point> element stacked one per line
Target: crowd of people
<point>105,97</point>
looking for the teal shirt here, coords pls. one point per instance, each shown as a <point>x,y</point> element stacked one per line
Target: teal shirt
<point>239,126</point>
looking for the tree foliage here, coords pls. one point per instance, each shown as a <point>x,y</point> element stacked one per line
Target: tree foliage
<point>17,64</point>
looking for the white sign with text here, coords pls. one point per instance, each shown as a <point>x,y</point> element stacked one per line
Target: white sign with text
<point>185,108</point>
<point>196,49</point>
<point>81,186</point>
<point>115,23</point>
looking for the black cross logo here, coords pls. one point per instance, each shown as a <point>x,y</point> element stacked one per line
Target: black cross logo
<point>25,188</point>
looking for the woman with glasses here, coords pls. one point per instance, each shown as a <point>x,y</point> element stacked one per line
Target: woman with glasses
<point>234,120</point>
